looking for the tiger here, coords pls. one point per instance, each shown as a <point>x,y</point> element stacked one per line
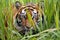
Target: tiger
<point>20,19</point>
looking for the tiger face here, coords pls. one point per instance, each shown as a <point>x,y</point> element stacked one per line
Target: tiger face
<point>20,19</point>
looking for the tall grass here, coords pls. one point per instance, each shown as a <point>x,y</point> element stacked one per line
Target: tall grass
<point>50,30</point>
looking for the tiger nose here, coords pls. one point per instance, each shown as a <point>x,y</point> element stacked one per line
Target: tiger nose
<point>27,23</point>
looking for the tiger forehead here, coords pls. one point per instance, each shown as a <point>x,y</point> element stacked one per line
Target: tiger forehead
<point>27,7</point>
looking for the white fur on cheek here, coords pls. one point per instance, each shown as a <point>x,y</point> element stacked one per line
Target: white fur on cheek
<point>34,13</point>
<point>23,12</point>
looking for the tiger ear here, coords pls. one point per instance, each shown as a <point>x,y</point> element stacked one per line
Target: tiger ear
<point>18,4</point>
<point>41,4</point>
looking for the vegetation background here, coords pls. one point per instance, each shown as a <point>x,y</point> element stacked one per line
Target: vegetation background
<point>49,31</point>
